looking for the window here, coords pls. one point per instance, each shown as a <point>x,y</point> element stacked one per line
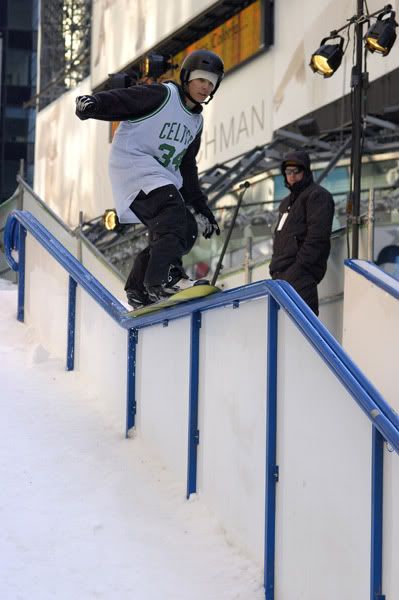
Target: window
<point>19,15</point>
<point>16,129</point>
<point>10,172</point>
<point>17,67</point>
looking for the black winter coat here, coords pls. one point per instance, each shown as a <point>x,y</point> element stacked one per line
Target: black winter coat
<point>302,246</point>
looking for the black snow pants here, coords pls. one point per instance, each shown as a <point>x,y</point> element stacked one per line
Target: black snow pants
<point>172,232</point>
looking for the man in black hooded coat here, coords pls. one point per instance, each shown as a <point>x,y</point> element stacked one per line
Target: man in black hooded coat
<point>302,236</point>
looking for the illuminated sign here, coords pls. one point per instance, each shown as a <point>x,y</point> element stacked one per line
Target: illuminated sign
<point>234,41</point>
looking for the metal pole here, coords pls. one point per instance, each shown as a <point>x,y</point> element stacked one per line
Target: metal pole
<point>193,431</point>
<point>370,227</point>
<point>357,84</point>
<point>219,266</point>
<point>20,200</point>
<point>79,248</point>
<point>272,469</point>
<point>248,260</point>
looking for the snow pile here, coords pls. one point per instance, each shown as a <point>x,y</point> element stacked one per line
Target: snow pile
<point>84,512</point>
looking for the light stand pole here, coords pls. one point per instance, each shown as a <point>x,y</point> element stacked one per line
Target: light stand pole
<point>379,38</point>
<point>358,82</point>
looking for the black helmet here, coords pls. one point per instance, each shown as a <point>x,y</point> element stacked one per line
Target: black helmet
<point>202,60</point>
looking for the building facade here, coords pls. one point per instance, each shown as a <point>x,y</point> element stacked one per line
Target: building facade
<point>18,51</point>
<point>269,89</point>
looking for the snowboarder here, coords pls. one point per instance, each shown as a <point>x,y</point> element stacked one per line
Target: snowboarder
<point>153,168</point>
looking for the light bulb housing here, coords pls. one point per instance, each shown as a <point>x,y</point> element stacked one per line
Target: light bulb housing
<point>382,35</point>
<point>156,65</point>
<point>328,57</point>
<point>110,220</point>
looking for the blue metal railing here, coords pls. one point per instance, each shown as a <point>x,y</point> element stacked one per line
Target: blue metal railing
<point>376,275</point>
<point>383,418</point>
<point>384,281</point>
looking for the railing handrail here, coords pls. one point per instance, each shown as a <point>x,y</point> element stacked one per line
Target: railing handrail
<point>364,393</point>
<point>77,233</point>
<point>75,269</point>
<point>375,274</point>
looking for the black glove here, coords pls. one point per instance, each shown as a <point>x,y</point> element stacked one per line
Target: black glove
<point>206,221</point>
<point>86,106</point>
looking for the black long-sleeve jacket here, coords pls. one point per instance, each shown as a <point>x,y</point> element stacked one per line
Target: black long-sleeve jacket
<point>141,100</point>
<point>302,246</point>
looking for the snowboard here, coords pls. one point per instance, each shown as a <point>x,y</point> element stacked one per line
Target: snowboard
<point>191,293</point>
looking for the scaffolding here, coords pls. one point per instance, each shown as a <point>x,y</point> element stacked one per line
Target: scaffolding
<point>381,136</point>
<point>65,30</point>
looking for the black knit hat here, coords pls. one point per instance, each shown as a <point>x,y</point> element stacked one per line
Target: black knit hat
<point>298,158</point>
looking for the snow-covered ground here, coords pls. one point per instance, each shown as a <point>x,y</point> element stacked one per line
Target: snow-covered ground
<point>84,512</point>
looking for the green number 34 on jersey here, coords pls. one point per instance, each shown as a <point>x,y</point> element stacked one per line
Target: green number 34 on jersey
<point>168,156</point>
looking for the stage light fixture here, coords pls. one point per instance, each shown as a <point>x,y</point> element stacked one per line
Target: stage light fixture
<point>381,36</point>
<point>308,127</point>
<point>328,57</point>
<point>156,65</point>
<point>110,220</point>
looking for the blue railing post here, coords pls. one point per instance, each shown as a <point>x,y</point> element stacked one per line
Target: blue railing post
<point>132,337</point>
<point>377,480</point>
<point>271,448</point>
<point>21,273</point>
<point>70,364</point>
<point>193,433</point>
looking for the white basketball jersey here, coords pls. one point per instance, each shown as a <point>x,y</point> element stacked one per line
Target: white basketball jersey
<point>146,153</point>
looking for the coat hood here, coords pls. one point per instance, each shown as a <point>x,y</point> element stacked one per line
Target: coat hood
<point>298,157</point>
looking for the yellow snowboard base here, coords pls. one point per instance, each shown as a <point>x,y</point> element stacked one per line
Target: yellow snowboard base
<point>191,293</point>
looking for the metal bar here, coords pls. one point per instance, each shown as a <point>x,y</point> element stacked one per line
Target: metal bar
<point>381,123</point>
<point>193,433</point>
<point>131,405</point>
<point>375,274</point>
<point>333,161</point>
<point>21,273</point>
<point>71,324</point>
<point>241,173</point>
<point>370,225</point>
<point>230,231</point>
<point>79,254</point>
<point>217,179</point>
<point>356,160</point>
<point>377,480</point>
<point>302,139</point>
<point>271,448</point>
<point>248,260</point>
<point>81,275</point>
